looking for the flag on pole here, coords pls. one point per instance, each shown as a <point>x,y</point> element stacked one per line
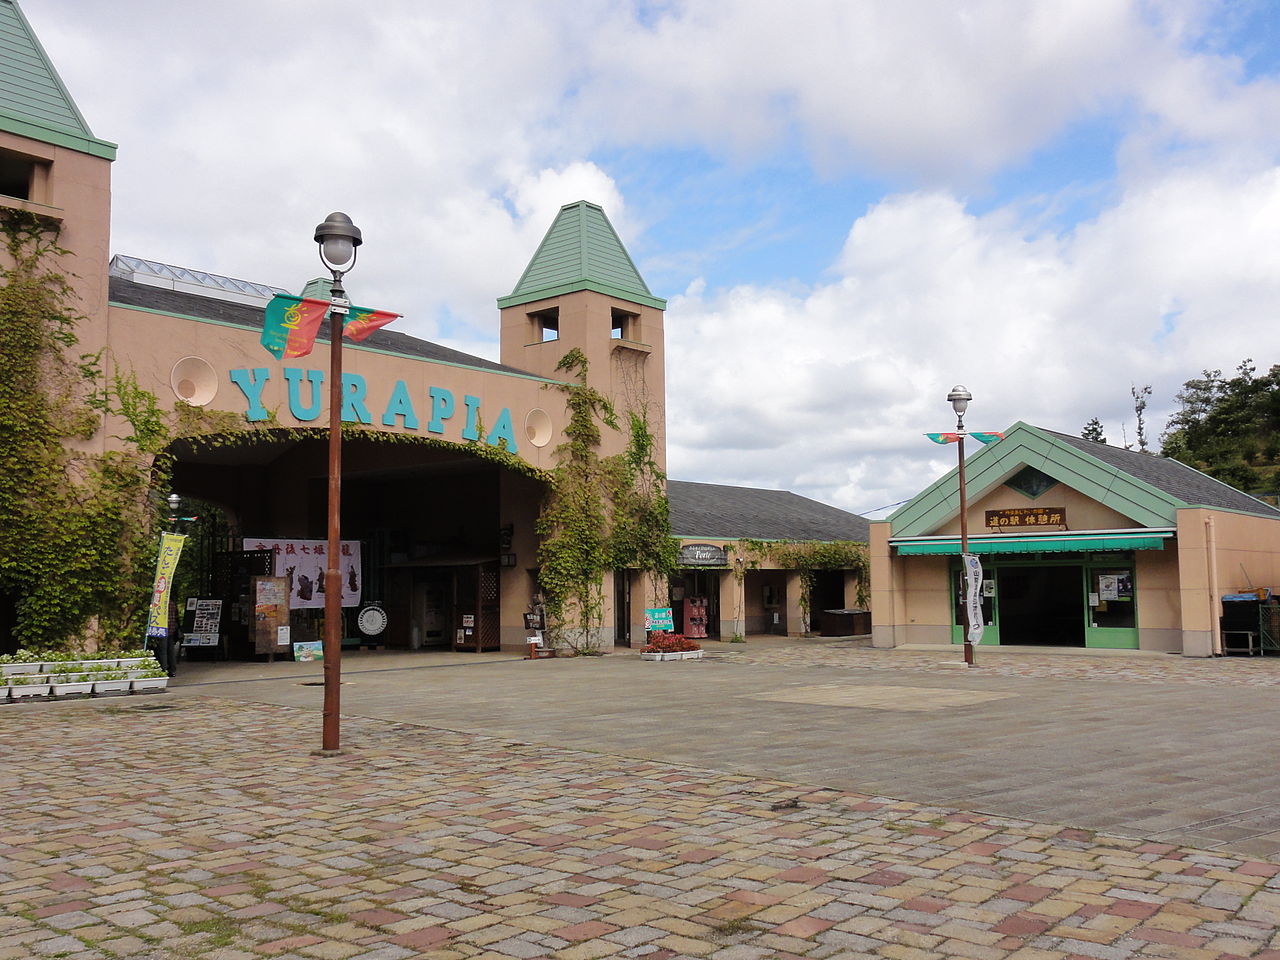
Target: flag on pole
<point>361,322</point>
<point>166,564</point>
<point>289,329</point>
<point>291,323</point>
<point>988,437</point>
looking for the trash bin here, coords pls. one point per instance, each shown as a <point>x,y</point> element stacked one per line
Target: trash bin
<point>844,623</point>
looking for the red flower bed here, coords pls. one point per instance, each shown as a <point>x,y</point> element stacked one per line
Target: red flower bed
<point>670,643</point>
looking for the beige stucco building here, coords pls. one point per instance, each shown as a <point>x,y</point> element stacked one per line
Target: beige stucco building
<point>1082,544</point>
<point>446,472</point>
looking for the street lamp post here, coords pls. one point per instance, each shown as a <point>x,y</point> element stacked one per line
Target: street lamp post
<point>959,398</point>
<point>338,238</point>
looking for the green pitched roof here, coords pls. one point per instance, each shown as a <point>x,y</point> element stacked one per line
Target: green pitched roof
<point>581,251</point>
<point>33,101</point>
<point>1148,489</point>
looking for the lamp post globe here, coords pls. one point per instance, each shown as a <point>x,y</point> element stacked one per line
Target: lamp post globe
<point>959,398</point>
<point>338,237</point>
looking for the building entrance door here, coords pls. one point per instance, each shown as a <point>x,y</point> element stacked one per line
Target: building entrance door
<point>622,608</point>
<point>1041,605</point>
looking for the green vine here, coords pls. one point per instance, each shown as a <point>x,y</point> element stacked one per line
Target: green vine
<point>76,526</point>
<point>600,514</point>
<point>807,557</point>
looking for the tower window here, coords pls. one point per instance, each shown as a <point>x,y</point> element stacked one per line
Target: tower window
<point>546,325</point>
<point>626,326</point>
<point>18,175</point>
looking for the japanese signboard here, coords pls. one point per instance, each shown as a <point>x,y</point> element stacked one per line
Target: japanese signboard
<point>658,618</point>
<point>303,562</point>
<point>1021,517</point>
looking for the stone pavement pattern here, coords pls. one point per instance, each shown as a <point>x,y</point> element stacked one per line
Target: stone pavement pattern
<point>189,827</point>
<point>1153,747</point>
<point>857,654</point>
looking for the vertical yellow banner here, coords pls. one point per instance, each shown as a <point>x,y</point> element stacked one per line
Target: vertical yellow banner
<point>166,564</point>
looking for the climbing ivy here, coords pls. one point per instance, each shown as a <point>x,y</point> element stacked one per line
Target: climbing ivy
<point>74,523</point>
<point>600,514</point>
<point>807,557</point>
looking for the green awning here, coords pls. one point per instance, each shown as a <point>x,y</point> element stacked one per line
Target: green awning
<point>1141,540</point>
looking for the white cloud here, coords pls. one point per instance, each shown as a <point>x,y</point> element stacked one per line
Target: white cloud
<point>453,132</point>
<point>828,393</point>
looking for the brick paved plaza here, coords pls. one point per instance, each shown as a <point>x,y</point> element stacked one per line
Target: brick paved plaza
<point>197,824</point>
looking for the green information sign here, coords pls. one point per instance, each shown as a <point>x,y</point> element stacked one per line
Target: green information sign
<point>658,619</point>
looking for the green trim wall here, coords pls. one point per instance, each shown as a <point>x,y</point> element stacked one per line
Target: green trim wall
<point>1111,638</point>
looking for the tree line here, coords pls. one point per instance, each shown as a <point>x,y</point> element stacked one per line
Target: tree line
<point>1227,427</point>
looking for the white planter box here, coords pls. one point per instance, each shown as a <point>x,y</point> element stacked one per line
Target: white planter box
<point>691,655</point>
<point>149,683</point>
<point>108,686</point>
<point>29,690</point>
<point>73,687</point>
<point>9,669</point>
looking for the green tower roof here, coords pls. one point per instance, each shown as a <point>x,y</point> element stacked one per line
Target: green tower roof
<point>33,101</point>
<point>581,251</point>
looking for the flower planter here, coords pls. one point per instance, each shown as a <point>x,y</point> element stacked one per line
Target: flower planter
<point>149,683</point>
<point>76,684</point>
<point>691,655</point>
<point>29,690</point>
<point>111,686</point>
<point>9,669</point>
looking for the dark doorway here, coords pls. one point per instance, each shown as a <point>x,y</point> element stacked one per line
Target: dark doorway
<point>1042,606</point>
<point>622,608</point>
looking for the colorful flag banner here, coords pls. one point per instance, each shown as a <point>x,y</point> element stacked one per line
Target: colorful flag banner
<point>290,324</point>
<point>988,437</point>
<point>166,564</point>
<point>361,322</point>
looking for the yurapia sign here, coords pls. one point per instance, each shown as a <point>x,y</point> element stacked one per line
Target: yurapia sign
<point>442,410</point>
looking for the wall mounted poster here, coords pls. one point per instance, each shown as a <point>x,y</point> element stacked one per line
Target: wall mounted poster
<point>302,563</point>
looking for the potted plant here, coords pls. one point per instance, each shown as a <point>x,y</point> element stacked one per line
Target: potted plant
<point>72,684</point>
<point>154,678</point>
<point>29,685</point>
<point>111,681</point>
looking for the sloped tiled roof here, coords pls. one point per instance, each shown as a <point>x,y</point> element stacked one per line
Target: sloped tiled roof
<point>33,101</point>
<point>129,293</point>
<point>1193,488</point>
<point>581,251</point>
<point>717,511</point>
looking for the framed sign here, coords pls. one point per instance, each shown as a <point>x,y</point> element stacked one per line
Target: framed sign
<point>1020,517</point>
<point>703,555</point>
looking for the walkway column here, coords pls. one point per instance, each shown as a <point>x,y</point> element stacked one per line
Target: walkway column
<point>795,615</point>
<point>733,606</point>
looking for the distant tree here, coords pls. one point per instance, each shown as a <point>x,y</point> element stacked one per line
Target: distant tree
<point>1093,431</point>
<point>1140,395</point>
<point>1229,428</point>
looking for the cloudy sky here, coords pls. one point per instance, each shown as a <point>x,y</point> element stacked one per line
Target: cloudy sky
<point>850,206</point>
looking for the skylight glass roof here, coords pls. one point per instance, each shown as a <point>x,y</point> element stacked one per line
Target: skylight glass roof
<point>181,278</point>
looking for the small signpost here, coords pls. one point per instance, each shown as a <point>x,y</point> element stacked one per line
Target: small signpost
<point>658,618</point>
